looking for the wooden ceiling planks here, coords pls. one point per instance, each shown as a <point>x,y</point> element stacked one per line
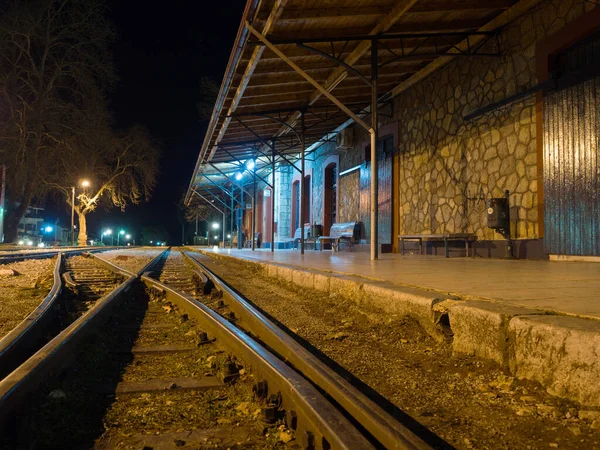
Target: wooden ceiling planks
<point>273,84</point>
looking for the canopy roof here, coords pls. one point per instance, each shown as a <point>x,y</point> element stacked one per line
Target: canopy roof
<point>258,109</point>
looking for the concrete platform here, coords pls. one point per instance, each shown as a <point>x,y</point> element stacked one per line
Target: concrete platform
<point>564,287</point>
<point>539,319</point>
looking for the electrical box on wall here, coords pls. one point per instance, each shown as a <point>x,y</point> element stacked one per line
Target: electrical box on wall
<point>497,213</point>
<point>345,138</point>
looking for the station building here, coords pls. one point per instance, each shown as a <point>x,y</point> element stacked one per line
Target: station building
<point>455,103</point>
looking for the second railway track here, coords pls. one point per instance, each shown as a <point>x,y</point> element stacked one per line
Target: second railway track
<point>175,365</point>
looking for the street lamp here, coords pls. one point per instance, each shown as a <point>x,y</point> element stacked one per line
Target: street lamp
<point>84,184</point>
<point>121,233</point>
<point>107,232</point>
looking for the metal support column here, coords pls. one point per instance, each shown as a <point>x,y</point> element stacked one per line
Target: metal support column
<point>72,216</point>
<point>301,184</point>
<point>253,205</point>
<point>374,127</point>
<point>232,216</point>
<point>273,205</point>
<point>2,193</point>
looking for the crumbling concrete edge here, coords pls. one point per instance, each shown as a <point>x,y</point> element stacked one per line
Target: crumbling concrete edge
<point>560,352</point>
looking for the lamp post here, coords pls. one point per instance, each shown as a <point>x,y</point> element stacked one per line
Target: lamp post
<point>105,233</point>
<point>215,226</point>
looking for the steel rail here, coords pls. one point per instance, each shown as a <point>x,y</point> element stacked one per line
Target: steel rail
<point>385,428</point>
<point>316,417</point>
<point>24,335</point>
<point>16,257</point>
<point>55,355</point>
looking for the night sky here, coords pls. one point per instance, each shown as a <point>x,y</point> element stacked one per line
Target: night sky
<point>163,49</point>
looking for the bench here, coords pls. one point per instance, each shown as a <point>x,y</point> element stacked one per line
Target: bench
<point>339,233</point>
<point>465,237</point>
<point>297,237</point>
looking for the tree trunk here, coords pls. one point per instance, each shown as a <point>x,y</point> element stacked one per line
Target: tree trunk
<point>11,223</point>
<point>82,239</point>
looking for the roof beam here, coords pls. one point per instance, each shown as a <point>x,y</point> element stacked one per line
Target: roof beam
<point>274,15</point>
<point>338,74</point>
<point>380,10</point>
<point>499,21</point>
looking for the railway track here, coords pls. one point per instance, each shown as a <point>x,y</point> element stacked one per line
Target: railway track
<point>6,257</point>
<point>176,365</point>
<point>63,304</point>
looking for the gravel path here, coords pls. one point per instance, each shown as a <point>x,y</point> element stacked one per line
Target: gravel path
<point>131,259</point>
<point>468,402</point>
<point>23,291</point>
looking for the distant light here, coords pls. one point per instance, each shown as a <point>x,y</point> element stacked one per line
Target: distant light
<point>215,225</point>
<point>85,183</point>
<point>109,231</point>
<point>228,236</point>
<point>21,242</point>
<point>122,232</point>
<point>250,164</point>
<point>151,242</point>
<point>29,243</point>
<point>158,243</point>
<point>127,236</point>
<point>216,237</point>
<point>48,229</point>
<point>41,244</point>
<point>238,176</point>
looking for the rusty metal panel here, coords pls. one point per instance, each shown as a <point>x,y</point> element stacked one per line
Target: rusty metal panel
<point>572,169</point>
<point>385,189</point>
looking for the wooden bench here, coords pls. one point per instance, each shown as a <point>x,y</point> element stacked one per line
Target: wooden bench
<point>339,233</point>
<point>297,237</point>
<point>467,238</point>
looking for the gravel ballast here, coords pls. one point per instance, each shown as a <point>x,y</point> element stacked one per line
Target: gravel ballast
<point>23,286</point>
<point>468,402</point>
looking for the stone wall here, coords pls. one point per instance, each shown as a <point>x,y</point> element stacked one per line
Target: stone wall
<point>448,165</point>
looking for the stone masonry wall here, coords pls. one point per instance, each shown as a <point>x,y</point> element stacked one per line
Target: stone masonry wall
<point>448,165</point>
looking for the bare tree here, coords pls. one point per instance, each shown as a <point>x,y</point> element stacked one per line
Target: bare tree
<point>53,59</point>
<point>120,169</point>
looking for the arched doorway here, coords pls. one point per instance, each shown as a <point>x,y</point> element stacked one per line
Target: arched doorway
<point>295,223</point>
<point>330,197</point>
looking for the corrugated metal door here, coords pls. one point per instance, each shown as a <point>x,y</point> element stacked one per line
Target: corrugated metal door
<point>571,162</point>
<point>384,159</point>
<point>385,171</point>
<point>571,170</point>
